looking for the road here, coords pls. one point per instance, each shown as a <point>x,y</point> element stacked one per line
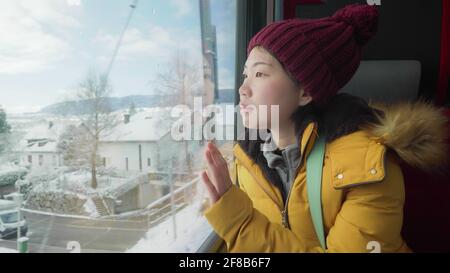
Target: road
<point>49,233</point>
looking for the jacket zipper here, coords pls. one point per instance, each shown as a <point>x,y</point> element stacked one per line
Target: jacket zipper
<point>284,212</point>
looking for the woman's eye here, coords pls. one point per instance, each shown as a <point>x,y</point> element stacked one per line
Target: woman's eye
<point>258,74</point>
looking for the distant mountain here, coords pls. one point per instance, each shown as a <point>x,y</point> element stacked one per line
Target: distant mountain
<point>116,103</point>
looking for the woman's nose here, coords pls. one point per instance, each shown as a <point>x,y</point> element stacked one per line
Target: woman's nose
<point>244,90</point>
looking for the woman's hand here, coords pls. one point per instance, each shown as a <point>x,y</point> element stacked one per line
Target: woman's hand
<point>217,180</point>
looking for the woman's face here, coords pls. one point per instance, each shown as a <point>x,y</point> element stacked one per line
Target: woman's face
<point>267,84</point>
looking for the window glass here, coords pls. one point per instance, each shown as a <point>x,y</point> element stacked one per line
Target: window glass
<point>91,89</point>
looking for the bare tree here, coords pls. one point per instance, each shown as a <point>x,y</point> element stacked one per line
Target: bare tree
<point>72,145</point>
<point>98,119</point>
<point>181,81</point>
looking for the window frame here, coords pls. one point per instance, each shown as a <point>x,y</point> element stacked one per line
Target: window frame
<point>252,16</point>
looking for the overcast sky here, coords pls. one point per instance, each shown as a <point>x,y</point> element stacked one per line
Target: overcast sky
<point>48,46</point>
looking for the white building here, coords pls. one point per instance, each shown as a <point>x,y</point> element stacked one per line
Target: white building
<point>42,154</point>
<point>39,146</point>
<point>143,143</point>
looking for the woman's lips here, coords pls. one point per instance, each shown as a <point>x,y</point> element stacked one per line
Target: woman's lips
<point>246,108</point>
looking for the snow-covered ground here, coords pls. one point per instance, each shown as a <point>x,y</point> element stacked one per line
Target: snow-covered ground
<point>73,184</point>
<point>79,182</point>
<point>192,231</point>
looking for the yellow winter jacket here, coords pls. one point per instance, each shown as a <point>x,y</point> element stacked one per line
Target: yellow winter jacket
<point>362,188</point>
<point>362,200</point>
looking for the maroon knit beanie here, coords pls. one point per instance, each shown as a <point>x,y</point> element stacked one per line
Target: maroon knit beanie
<point>321,54</point>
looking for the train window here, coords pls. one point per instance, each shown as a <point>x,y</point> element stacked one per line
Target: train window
<point>93,91</point>
<point>106,108</point>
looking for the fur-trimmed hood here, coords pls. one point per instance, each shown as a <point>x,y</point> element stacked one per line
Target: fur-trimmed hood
<point>417,132</point>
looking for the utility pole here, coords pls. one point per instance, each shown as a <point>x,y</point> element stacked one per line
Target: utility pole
<point>172,198</point>
<point>17,198</point>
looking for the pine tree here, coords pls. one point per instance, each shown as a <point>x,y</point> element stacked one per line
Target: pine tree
<point>4,126</point>
<point>4,131</point>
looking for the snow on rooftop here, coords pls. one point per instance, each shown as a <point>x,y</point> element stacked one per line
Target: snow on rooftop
<point>41,147</point>
<point>48,129</point>
<point>147,125</point>
<point>42,131</point>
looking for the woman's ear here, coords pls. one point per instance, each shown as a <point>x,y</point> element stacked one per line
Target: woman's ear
<point>303,99</point>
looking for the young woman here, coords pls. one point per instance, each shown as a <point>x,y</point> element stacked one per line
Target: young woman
<point>300,65</point>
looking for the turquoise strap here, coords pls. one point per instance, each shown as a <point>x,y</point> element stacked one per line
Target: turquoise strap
<point>314,166</point>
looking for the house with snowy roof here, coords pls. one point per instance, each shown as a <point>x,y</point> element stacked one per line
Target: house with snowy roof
<point>143,143</point>
<point>38,148</point>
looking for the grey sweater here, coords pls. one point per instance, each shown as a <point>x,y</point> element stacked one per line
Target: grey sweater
<point>285,162</point>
